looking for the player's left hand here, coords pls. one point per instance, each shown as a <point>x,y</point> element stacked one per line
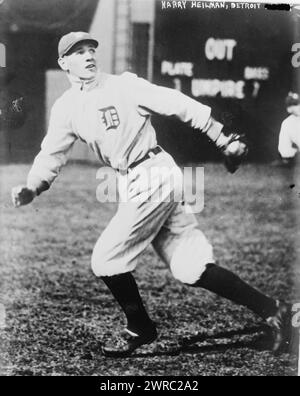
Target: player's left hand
<point>235,151</point>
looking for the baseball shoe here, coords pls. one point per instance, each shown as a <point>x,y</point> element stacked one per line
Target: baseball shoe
<point>129,342</point>
<point>281,327</point>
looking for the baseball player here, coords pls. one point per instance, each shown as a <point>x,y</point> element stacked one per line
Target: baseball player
<point>289,138</point>
<point>112,115</point>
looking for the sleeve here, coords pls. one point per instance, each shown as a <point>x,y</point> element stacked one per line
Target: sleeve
<point>152,98</point>
<point>54,151</point>
<point>286,147</point>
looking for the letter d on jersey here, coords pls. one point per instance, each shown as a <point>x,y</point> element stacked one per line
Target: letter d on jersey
<point>2,55</point>
<point>110,117</point>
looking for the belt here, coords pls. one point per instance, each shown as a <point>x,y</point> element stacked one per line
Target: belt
<point>151,153</point>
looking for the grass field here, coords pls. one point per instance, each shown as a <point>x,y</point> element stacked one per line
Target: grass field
<point>58,313</point>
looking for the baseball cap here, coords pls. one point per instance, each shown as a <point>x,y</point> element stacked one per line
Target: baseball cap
<point>69,40</point>
<point>292,99</point>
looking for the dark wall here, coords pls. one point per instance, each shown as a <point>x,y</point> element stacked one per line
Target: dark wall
<point>263,39</point>
<point>40,16</point>
<point>26,65</point>
<point>30,30</point>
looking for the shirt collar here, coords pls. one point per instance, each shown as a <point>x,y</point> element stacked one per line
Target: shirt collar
<point>82,85</point>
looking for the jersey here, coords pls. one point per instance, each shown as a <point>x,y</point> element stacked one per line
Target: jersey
<point>112,115</point>
<point>289,139</point>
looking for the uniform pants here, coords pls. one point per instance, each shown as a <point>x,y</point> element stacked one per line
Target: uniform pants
<point>151,211</point>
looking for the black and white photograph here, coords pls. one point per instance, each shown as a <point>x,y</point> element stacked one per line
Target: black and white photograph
<point>149,190</point>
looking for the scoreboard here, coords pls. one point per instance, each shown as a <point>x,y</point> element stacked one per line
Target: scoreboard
<point>236,60</point>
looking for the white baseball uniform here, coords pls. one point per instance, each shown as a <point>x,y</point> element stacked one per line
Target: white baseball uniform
<point>112,115</point>
<point>289,138</point>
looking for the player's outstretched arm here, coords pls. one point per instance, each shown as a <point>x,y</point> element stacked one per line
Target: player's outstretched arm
<point>169,102</point>
<point>48,163</point>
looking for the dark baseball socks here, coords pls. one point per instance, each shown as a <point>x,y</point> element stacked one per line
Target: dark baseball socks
<point>125,290</point>
<point>228,285</point>
<point>215,279</point>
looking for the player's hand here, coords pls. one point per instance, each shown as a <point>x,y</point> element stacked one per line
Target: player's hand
<point>234,152</point>
<point>22,195</point>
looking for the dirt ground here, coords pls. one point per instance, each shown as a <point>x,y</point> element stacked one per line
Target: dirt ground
<point>58,313</point>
